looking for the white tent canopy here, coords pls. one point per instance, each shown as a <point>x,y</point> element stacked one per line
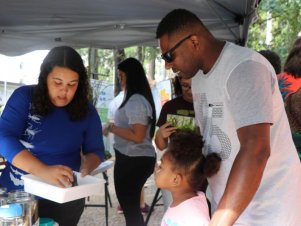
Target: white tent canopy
<point>42,24</point>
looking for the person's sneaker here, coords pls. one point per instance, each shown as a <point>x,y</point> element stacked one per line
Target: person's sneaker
<point>146,209</point>
<point>119,209</point>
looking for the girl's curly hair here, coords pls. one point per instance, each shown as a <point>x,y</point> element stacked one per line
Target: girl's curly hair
<point>185,153</point>
<point>67,57</point>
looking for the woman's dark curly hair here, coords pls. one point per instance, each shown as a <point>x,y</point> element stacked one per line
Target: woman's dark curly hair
<point>185,153</point>
<point>137,83</point>
<point>67,57</point>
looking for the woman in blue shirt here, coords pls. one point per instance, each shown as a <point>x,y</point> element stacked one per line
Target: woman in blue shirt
<point>51,129</point>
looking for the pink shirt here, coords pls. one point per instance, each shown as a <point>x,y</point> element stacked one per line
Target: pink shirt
<point>192,212</point>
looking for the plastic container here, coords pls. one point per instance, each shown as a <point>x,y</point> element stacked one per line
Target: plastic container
<point>29,206</point>
<point>87,186</point>
<point>44,221</point>
<point>3,196</point>
<point>11,215</point>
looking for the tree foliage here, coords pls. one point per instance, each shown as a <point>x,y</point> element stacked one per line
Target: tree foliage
<point>286,24</point>
<point>101,63</point>
<point>147,56</point>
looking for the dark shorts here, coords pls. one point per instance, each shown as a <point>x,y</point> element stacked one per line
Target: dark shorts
<point>65,214</point>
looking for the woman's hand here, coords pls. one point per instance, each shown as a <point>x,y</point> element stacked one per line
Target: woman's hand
<point>166,130</point>
<point>105,130</point>
<point>59,175</point>
<point>89,162</point>
<point>162,135</point>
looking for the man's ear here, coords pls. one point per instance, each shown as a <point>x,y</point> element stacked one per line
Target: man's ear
<point>195,41</point>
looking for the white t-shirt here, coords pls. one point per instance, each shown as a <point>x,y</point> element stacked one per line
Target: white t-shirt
<point>240,90</point>
<point>191,212</point>
<point>114,105</point>
<point>137,110</point>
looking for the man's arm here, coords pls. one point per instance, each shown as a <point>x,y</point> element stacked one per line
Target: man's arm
<point>245,175</point>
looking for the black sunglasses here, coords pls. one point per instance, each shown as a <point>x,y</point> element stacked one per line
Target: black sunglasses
<point>167,56</point>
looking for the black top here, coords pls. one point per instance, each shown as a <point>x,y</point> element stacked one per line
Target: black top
<point>176,106</point>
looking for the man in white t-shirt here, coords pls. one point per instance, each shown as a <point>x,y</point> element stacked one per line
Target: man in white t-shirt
<point>240,113</point>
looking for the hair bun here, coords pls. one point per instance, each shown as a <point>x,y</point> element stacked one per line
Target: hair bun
<point>211,164</point>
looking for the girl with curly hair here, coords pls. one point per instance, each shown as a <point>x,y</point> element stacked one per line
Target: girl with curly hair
<point>183,170</point>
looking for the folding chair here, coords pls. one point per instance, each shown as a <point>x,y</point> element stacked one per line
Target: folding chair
<point>102,168</point>
<point>156,198</point>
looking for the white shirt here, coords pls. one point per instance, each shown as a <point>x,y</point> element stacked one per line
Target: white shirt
<point>114,105</point>
<point>240,90</point>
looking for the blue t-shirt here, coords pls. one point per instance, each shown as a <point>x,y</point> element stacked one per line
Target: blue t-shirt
<point>53,139</point>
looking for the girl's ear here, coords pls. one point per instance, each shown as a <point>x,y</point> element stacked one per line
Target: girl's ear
<point>177,179</point>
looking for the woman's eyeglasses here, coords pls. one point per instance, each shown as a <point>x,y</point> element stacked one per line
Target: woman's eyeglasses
<point>167,56</point>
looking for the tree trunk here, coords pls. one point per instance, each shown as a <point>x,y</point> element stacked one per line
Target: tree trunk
<point>141,53</point>
<point>93,65</point>
<point>119,56</point>
<point>152,67</point>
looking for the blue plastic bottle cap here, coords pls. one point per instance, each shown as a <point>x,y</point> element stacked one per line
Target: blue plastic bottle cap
<point>44,221</point>
<point>11,210</point>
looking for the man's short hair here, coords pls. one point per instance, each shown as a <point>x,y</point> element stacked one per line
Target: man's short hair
<point>176,20</point>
